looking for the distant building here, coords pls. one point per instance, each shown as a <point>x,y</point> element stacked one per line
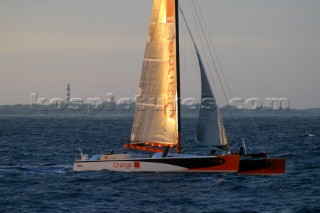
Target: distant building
<point>68,93</point>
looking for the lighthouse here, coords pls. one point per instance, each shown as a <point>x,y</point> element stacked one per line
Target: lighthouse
<point>68,93</point>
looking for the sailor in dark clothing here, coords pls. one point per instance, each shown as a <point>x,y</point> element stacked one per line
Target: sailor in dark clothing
<point>213,152</point>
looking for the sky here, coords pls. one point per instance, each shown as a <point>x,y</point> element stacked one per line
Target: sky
<point>265,48</point>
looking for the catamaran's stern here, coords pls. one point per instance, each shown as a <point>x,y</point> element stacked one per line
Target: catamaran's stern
<point>262,166</point>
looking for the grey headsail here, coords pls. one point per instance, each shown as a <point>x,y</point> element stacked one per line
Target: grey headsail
<point>210,129</point>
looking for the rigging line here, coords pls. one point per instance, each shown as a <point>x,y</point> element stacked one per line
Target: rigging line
<point>205,53</point>
<point>191,38</point>
<point>221,70</point>
<point>195,46</point>
<point>206,34</point>
<point>185,21</point>
<point>189,33</point>
<point>206,41</point>
<point>187,29</point>
<point>183,30</point>
<point>215,66</point>
<point>254,125</point>
<point>214,50</point>
<point>192,41</point>
<point>183,67</point>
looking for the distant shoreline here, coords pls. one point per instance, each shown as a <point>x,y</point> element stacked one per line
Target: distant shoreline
<point>119,110</point>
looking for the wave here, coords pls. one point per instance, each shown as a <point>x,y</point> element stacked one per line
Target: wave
<point>35,169</point>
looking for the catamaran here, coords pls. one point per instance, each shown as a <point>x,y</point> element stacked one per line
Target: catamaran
<point>157,125</point>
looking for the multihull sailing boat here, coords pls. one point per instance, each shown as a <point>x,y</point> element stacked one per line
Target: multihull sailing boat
<point>156,125</point>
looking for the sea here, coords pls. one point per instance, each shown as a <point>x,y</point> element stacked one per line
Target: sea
<point>37,154</point>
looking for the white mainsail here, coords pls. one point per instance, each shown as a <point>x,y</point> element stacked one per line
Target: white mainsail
<point>156,115</point>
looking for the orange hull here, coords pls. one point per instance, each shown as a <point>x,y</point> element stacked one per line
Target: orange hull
<point>266,166</point>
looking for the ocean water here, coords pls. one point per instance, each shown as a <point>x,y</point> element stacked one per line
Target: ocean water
<point>37,153</point>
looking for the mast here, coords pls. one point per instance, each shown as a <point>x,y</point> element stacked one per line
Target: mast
<point>178,149</point>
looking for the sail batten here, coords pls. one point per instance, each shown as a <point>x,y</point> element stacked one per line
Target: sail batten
<point>156,115</point>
